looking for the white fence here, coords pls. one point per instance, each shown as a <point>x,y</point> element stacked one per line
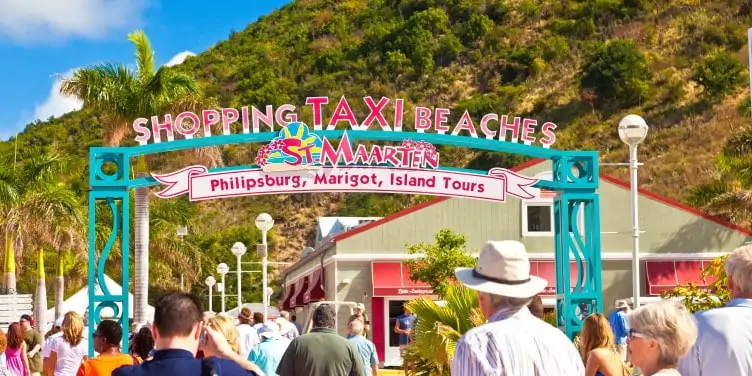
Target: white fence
<point>12,307</point>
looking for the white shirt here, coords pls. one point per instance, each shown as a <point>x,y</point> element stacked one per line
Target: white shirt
<point>515,343</point>
<point>723,342</point>
<point>248,339</point>
<point>69,357</point>
<point>287,329</point>
<point>49,343</point>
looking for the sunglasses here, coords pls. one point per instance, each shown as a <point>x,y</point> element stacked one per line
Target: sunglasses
<point>634,334</point>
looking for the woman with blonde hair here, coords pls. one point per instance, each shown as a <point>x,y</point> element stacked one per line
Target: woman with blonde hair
<point>69,350</point>
<point>226,326</point>
<point>660,334</point>
<point>597,348</point>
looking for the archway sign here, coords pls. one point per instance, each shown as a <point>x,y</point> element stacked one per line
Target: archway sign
<point>299,158</point>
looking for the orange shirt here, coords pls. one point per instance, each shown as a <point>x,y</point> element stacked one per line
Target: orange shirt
<point>103,365</point>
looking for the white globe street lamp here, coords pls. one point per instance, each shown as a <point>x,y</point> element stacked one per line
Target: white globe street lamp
<point>264,222</point>
<point>222,270</point>
<point>632,131</point>
<point>210,282</point>
<point>239,249</point>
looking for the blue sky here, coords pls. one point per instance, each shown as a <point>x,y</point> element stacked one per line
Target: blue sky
<point>42,40</point>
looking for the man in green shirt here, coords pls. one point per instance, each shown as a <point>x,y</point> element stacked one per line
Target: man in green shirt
<point>34,342</point>
<point>322,352</point>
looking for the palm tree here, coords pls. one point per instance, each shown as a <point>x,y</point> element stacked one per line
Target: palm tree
<point>122,94</point>
<point>729,195</point>
<point>438,328</point>
<point>36,209</point>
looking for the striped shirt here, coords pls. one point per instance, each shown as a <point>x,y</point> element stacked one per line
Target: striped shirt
<point>516,343</point>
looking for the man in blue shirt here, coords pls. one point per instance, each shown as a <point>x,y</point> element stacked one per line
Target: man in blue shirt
<point>404,327</point>
<point>269,352</point>
<point>366,348</point>
<point>177,328</point>
<point>724,334</point>
<point>620,327</point>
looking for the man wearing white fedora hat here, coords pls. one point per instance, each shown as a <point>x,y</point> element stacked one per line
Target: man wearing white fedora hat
<point>513,341</point>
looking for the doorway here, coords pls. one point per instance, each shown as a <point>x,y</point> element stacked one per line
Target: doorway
<point>393,309</point>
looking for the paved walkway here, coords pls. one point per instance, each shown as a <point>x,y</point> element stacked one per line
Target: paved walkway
<point>391,372</point>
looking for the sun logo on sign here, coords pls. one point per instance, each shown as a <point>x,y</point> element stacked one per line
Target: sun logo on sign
<point>295,146</point>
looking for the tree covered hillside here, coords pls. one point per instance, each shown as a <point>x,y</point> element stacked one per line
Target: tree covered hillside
<point>581,64</point>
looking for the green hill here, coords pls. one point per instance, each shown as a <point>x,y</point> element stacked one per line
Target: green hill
<point>580,64</point>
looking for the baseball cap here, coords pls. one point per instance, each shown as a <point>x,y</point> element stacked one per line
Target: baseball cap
<point>360,306</point>
<point>268,330</point>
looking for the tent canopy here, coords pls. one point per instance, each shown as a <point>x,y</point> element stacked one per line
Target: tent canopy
<point>79,303</point>
<point>255,307</point>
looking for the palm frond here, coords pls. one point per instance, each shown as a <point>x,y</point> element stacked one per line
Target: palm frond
<point>100,85</point>
<point>700,195</point>
<point>739,145</point>
<point>438,328</point>
<point>735,205</point>
<point>144,54</point>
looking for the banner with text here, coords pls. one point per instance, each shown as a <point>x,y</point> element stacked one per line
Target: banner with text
<point>200,184</point>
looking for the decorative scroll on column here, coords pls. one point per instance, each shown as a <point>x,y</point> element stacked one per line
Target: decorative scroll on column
<point>577,179</point>
<point>109,206</point>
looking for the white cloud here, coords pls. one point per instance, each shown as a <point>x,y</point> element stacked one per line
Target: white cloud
<point>179,58</point>
<point>50,20</point>
<point>57,104</point>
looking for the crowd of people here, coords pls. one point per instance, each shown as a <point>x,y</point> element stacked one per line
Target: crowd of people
<point>657,339</point>
<point>183,340</point>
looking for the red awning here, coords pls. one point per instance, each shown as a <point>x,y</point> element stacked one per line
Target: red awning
<point>665,275</point>
<point>297,299</point>
<point>547,271</point>
<point>393,279</point>
<point>314,292</point>
<point>289,289</point>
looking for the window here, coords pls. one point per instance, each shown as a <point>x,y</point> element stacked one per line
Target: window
<point>539,217</point>
<point>538,214</point>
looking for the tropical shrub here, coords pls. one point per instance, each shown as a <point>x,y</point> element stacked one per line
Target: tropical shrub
<point>438,328</point>
<point>615,71</point>
<point>438,261</point>
<point>719,75</point>
<point>697,298</point>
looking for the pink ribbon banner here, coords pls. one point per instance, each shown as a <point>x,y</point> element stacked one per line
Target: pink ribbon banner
<point>200,184</point>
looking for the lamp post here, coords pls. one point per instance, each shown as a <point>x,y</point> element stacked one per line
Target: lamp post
<point>223,269</point>
<point>210,282</point>
<point>181,233</point>
<point>238,249</point>
<point>264,222</point>
<point>632,131</point>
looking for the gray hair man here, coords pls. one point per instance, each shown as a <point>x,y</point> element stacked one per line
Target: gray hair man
<point>513,341</point>
<point>724,334</point>
<point>322,351</point>
<point>366,348</point>
<point>286,328</point>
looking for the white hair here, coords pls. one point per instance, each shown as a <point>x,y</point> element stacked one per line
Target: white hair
<point>285,315</point>
<point>356,326</point>
<point>498,302</point>
<point>739,268</point>
<point>668,323</point>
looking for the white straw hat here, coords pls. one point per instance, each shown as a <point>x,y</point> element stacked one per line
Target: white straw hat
<point>503,268</point>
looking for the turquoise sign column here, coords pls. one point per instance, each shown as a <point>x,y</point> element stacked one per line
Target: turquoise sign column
<point>576,179</point>
<point>109,201</point>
